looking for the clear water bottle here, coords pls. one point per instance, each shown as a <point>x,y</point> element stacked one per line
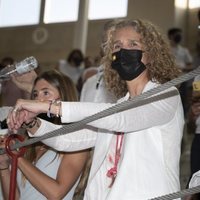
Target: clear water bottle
<point>19,68</point>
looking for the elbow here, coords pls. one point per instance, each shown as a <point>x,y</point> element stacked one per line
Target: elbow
<point>56,193</point>
<point>55,196</point>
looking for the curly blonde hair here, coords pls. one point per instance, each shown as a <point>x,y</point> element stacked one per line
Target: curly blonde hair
<point>161,67</point>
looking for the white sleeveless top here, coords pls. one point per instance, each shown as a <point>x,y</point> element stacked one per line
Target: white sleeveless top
<point>48,164</point>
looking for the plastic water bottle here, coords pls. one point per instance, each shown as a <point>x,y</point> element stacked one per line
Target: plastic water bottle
<point>19,68</point>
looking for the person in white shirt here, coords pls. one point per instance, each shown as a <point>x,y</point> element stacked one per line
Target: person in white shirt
<point>136,152</point>
<point>94,89</point>
<point>72,66</point>
<point>184,61</point>
<point>44,173</point>
<point>182,55</point>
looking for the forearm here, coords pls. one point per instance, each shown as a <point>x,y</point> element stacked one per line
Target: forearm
<point>39,180</point>
<point>152,114</point>
<point>33,126</point>
<point>25,81</point>
<point>140,118</point>
<point>68,172</point>
<point>5,184</point>
<point>79,140</point>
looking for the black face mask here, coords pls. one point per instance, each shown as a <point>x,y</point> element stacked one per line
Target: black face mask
<point>177,38</point>
<point>77,60</point>
<point>127,62</point>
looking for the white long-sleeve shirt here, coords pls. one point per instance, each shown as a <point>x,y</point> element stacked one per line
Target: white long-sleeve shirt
<point>149,164</point>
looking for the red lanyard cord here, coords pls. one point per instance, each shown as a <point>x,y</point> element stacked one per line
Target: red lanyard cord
<point>112,172</point>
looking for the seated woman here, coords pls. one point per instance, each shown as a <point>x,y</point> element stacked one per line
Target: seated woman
<point>43,172</point>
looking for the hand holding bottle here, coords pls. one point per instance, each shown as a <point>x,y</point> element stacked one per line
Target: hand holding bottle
<point>22,67</point>
<point>25,81</point>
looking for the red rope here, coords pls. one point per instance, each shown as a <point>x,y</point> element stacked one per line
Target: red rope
<point>14,156</point>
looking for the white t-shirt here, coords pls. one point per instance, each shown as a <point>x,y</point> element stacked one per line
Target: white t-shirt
<point>182,55</point>
<point>94,90</point>
<point>73,72</point>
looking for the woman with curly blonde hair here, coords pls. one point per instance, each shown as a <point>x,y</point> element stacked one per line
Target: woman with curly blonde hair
<point>137,151</point>
<point>161,67</point>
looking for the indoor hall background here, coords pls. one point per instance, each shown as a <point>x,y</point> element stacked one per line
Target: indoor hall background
<point>18,42</point>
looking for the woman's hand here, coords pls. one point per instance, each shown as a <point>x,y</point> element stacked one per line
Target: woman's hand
<point>25,81</point>
<point>24,112</point>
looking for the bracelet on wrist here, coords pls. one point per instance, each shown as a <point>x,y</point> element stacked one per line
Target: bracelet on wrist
<point>30,124</point>
<point>57,104</point>
<point>49,109</point>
